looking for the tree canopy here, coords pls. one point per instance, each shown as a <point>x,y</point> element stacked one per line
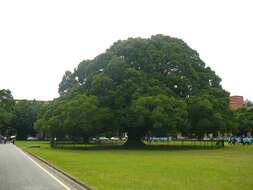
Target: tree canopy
<point>26,113</point>
<point>146,86</point>
<point>244,119</point>
<point>75,114</point>
<point>7,114</point>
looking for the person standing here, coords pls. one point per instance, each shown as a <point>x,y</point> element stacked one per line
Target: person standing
<point>5,140</point>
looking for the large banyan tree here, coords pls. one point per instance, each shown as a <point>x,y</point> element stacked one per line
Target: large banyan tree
<point>150,85</point>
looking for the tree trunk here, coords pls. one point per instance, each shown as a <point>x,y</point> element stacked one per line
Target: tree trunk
<point>85,139</point>
<point>134,139</point>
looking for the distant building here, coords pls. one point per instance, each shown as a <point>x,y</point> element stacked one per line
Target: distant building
<point>236,102</point>
<point>31,101</point>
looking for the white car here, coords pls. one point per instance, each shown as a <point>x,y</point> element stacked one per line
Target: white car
<point>103,139</point>
<point>115,138</point>
<point>32,138</point>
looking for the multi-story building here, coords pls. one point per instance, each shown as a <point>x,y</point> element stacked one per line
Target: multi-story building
<point>236,102</point>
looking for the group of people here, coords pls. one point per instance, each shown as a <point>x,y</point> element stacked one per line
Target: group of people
<point>243,140</point>
<point>4,140</point>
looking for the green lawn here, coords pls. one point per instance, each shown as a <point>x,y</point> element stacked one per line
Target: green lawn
<point>116,169</point>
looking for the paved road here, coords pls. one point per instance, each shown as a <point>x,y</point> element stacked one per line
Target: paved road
<point>19,172</point>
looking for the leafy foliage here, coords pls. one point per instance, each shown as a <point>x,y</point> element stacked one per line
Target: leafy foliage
<point>209,113</point>
<point>7,114</point>
<point>244,118</point>
<point>146,86</point>
<point>153,114</point>
<point>26,114</point>
<point>74,114</point>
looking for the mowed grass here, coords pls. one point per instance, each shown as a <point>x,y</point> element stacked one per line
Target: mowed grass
<point>118,169</point>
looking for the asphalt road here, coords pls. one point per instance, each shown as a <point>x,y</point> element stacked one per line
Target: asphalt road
<point>19,171</point>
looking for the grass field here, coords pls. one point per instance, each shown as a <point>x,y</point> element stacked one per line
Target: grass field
<point>160,168</point>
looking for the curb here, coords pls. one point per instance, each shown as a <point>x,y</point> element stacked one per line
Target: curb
<point>58,170</point>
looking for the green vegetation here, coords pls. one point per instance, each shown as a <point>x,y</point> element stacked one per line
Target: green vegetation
<point>26,114</point>
<point>244,118</point>
<point>217,169</point>
<point>143,87</point>
<point>157,86</point>
<point>7,113</point>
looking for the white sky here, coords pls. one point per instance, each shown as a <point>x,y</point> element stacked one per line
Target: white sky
<point>39,40</point>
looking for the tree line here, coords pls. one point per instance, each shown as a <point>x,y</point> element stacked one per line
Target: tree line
<point>140,87</point>
<point>17,117</point>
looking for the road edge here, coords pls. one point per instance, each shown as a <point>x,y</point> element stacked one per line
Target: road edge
<point>57,169</point>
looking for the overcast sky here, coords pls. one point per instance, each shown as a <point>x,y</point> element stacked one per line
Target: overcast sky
<point>39,40</point>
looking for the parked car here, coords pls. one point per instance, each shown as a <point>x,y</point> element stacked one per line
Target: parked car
<point>103,138</point>
<point>32,138</point>
<point>115,138</point>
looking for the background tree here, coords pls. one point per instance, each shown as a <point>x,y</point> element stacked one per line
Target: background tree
<point>26,114</point>
<point>7,114</point>
<point>244,120</point>
<point>68,81</point>
<point>209,113</point>
<point>249,103</point>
